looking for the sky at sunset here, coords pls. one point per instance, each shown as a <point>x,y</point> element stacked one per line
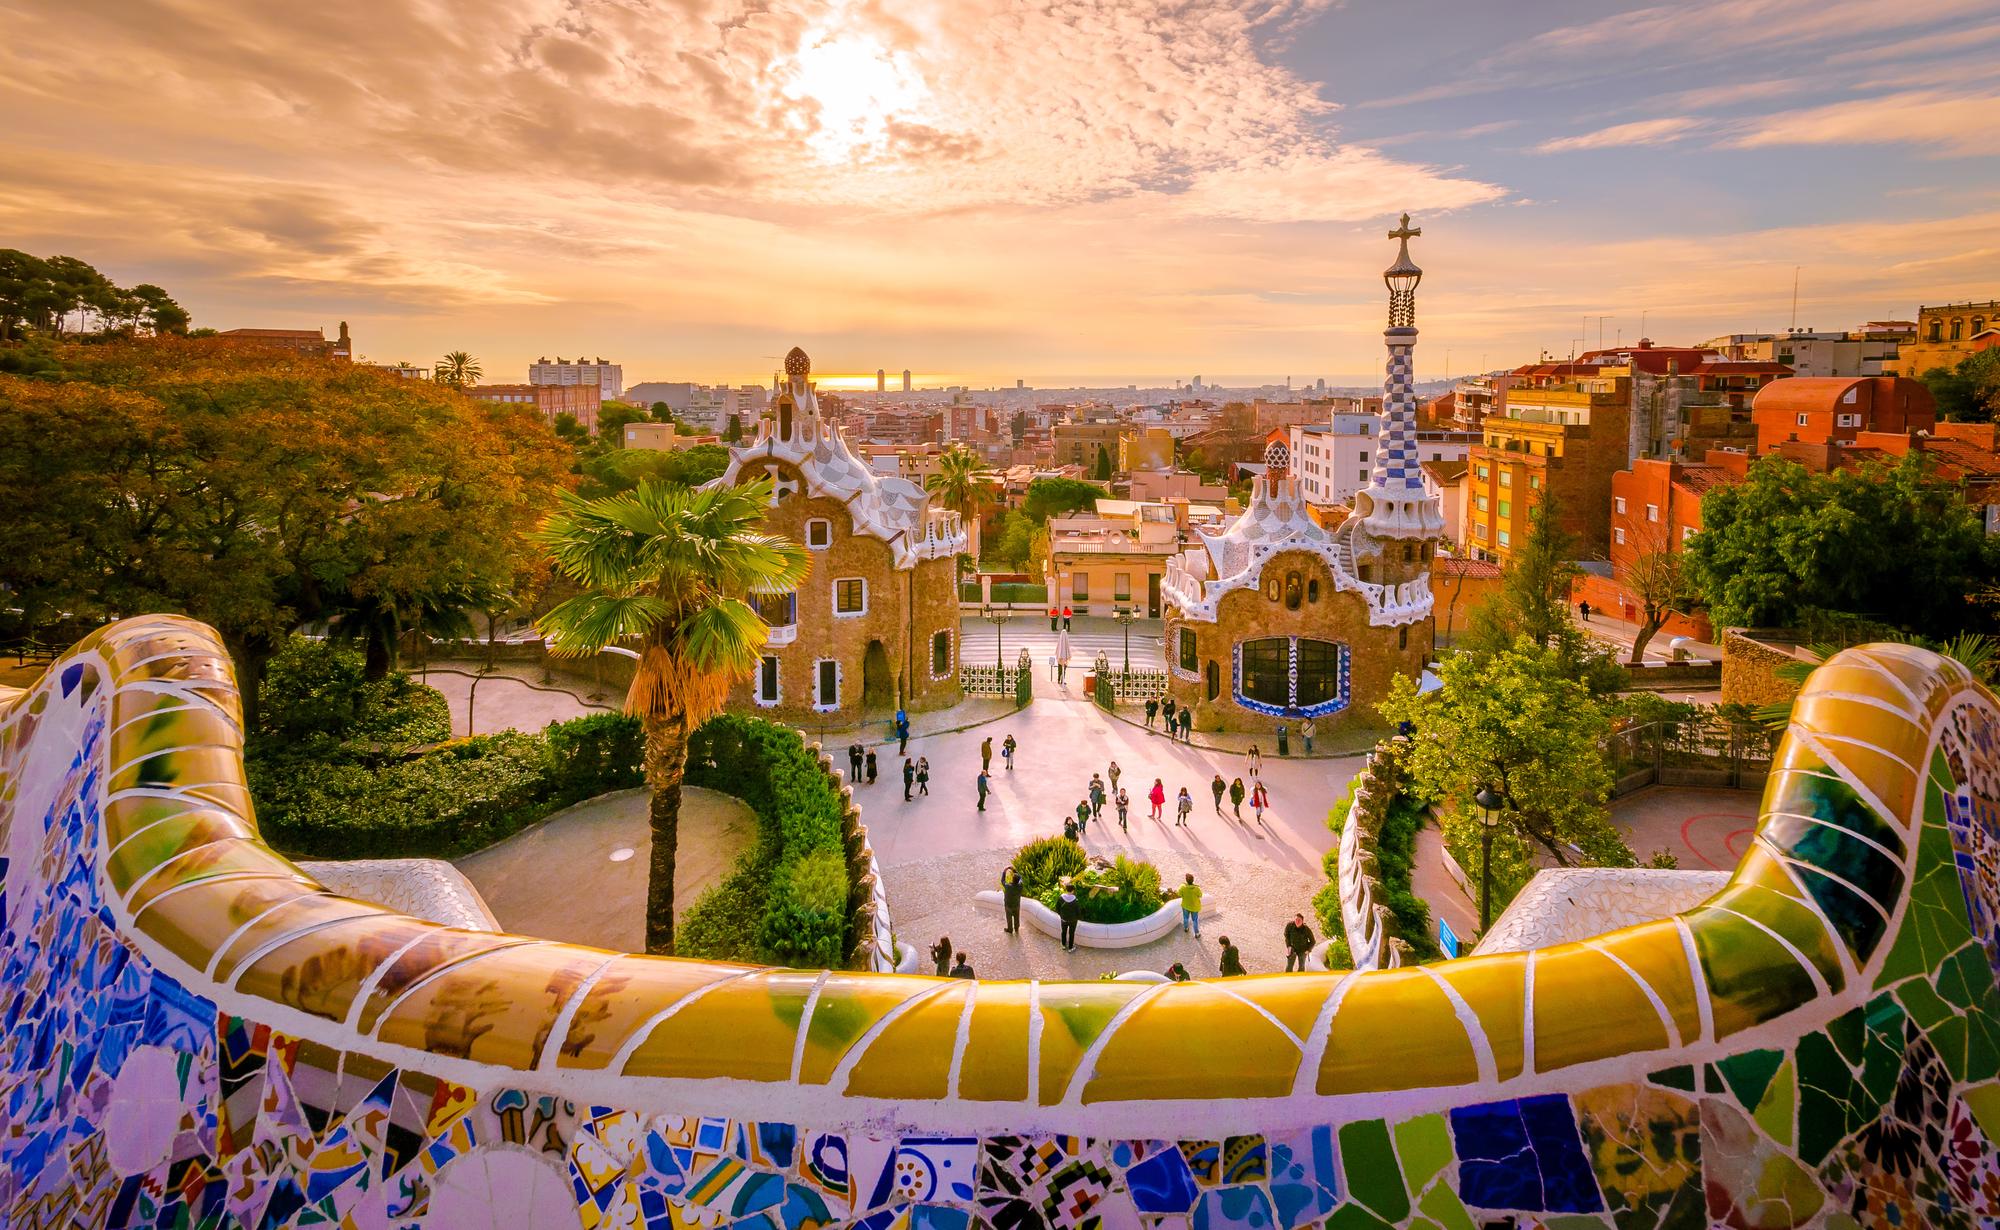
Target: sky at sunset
<point>985,190</point>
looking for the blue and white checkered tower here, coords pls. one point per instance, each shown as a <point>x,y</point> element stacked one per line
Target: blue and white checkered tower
<point>1395,504</point>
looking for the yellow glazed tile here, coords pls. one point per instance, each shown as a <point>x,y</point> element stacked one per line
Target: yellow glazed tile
<point>438,949</point>
<point>193,924</point>
<point>296,917</point>
<point>1193,1041</point>
<point>186,767</point>
<point>995,1068</point>
<point>321,972</point>
<point>1654,951</point>
<point>187,727</point>
<point>1395,1029</point>
<point>496,1009</point>
<point>911,1058</point>
<point>1751,978</point>
<point>847,1007</point>
<point>1295,999</point>
<point>1933,678</point>
<point>1073,1015</point>
<point>1587,1008</point>
<point>746,1030</point>
<point>630,990</point>
<point>1797,922</point>
<point>1495,988</point>
<point>233,857</point>
<point>172,838</point>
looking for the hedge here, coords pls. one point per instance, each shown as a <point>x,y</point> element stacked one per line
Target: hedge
<point>788,902</point>
<point>351,801</point>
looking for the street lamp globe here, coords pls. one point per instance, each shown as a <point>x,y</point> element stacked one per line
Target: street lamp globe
<point>1489,804</point>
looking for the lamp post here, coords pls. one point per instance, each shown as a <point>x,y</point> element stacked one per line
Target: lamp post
<point>1126,616</point>
<point>998,619</point>
<point>1489,805</point>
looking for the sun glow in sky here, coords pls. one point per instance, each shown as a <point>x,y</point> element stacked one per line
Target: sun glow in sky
<point>1119,192</point>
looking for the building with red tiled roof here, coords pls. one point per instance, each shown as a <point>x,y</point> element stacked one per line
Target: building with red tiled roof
<point>1820,410</point>
<point>1655,509</point>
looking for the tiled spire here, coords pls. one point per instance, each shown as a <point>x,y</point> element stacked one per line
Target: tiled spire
<point>1394,504</point>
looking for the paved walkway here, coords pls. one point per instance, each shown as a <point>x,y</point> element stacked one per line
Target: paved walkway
<point>1706,830</point>
<point>580,875</point>
<point>511,697</point>
<point>1619,634</point>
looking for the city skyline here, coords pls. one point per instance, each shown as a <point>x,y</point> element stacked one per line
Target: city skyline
<point>1116,196</point>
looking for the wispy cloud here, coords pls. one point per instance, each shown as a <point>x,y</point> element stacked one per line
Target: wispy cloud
<point>1620,136</point>
<point>1957,124</point>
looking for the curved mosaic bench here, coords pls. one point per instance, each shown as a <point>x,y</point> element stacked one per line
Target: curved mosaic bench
<point>196,1033</point>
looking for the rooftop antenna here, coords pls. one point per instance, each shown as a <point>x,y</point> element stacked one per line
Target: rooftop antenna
<point>1642,326</point>
<point>1795,298</point>
<point>1600,331</point>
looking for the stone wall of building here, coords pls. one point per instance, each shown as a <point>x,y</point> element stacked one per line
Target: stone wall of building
<point>846,639</point>
<point>1375,654</point>
<point>1750,660</point>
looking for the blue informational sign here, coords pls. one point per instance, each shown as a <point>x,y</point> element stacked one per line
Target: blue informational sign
<point>1447,938</point>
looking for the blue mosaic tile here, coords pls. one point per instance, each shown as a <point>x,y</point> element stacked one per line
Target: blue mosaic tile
<point>1525,1155</point>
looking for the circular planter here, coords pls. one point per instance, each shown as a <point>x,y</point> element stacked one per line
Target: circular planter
<point>1089,935</point>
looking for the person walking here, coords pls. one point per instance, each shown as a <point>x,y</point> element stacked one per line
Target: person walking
<point>1256,761</point>
<point>902,733</point>
<point>1083,817</point>
<point>1096,796</point>
<point>941,955</point>
<point>1186,805</point>
<point>1167,707</point>
<point>1298,943</point>
<point>1583,609</point>
<point>854,763</point>
<point>1070,829</point>
<point>1307,729</point>
<point>1010,897</point>
<point>1007,746</point>
<point>909,777</point>
<point>1260,798</point>
<point>1157,796</point>
<point>923,775</point>
<point>1124,802</point>
<point>1218,788</point>
<point>962,970</point>
<point>1069,910</point>
<point>1190,893</point>
<point>1066,616</point>
<point>871,766</point>
<point>984,785</point>
<point>1152,711</point>
<point>1178,973</point>
<point>1187,723</point>
<point>1236,793</point>
<point>1232,961</point>
<point>986,754</point>
<point>1284,740</point>
<point>1113,773</point>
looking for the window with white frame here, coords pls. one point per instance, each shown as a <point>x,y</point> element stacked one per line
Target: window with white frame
<point>1618,535</point>
<point>1618,504</point>
<point>826,684</point>
<point>1652,512</point>
<point>1687,532</point>
<point>1802,419</point>
<point>850,596</point>
<point>819,533</point>
<point>767,680</point>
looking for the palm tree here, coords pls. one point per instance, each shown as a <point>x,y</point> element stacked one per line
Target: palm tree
<point>964,485</point>
<point>669,567</point>
<point>459,370</point>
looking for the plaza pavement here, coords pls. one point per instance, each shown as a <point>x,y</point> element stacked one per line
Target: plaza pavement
<point>1707,830</point>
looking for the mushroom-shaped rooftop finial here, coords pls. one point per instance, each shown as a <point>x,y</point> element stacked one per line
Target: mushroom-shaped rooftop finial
<point>797,365</point>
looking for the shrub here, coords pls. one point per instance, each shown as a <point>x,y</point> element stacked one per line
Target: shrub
<point>796,875</point>
<point>315,692</point>
<point>1124,891</point>
<point>1043,863</point>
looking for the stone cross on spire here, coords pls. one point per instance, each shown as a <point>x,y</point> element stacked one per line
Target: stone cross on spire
<point>1406,234</point>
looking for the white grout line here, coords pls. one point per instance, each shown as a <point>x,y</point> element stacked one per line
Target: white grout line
<point>1475,1030</point>
<point>1652,996</point>
<point>805,1024</point>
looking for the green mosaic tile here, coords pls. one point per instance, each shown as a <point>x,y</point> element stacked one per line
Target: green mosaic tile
<point>1424,1145</point>
<point>1984,1103</point>
<point>1748,1074</point>
<point>1921,1000</point>
<point>1442,1204</point>
<point>1982,1047</point>
<point>1833,802</point>
<point>1849,1033</point>
<point>1372,1174</point>
<point>1966,977</point>
<point>1948,1037</point>
<point>1711,1080</point>
<point>1750,976</point>
<point>1681,1078</point>
<point>1354,1217</point>
<point>1831,1102</point>
<point>1575,1221</point>
<point>1774,1109</point>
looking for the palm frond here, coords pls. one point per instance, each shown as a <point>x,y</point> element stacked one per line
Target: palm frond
<point>585,624</point>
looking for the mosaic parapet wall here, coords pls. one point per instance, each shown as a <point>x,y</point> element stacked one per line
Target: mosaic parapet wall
<point>197,1034</point>
<point>1371,939</point>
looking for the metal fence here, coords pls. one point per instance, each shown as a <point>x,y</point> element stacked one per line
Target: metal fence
<point>1705,751</point>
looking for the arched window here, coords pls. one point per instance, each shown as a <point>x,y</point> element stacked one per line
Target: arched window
<point>1266,670</point>
<point>1366,569</point>
<point>1957,327</point>
<point>1403,637</point>
<point>1291,675</point>
<point>1937,330</point>
<point>1271,589</point>
<point>1294,590</point>
<point>1312,590</point>
<point>1214,679</point>
<point>1978,325</point>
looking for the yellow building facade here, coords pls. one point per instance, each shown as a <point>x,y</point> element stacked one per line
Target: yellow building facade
<point>1944,335</point>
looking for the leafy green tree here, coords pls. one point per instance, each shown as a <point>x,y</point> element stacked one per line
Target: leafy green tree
<point>612,418</point>
<point>661,412</point>
<point>622,469</point>
<point>1102,472</point>
<point>1892,542</point>
<point>670,568</point>
<point>1520,722</point>
<point>1657,577</point>
<point>44,294</point>
<point>570,429</point>
<point>259,491</point>
<point>458,369</point>
<point>1014,544</point>
<point>733,433</point>
<point>1968,392</point>
<point>1049,497</point>
<point>1533,602</point>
